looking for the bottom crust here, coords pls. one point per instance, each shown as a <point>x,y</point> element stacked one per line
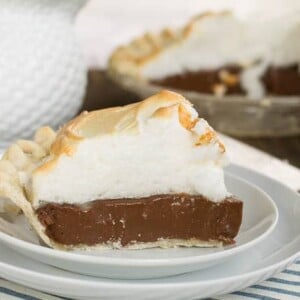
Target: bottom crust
<point>163,243</point>
<point>157,221</point>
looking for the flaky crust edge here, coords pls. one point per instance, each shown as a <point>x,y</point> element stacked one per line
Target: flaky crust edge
<point>22,157</point>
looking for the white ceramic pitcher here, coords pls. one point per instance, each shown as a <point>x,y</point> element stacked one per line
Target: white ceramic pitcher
<point>42,72</point>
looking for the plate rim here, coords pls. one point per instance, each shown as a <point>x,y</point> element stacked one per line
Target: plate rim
<point>12,242</point>
<point>143,283</point>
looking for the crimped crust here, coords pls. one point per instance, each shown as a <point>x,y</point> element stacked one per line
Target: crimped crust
<point>22,157</point>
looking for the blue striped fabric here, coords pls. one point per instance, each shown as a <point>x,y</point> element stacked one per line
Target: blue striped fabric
<point>284,286</point>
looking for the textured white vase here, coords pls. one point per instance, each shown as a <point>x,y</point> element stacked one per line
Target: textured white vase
<point>42,71</point>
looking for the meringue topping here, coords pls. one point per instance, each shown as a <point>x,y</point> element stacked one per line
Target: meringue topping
<point>157,146</point>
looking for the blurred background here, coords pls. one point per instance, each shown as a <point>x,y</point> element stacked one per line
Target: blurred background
<point>103,25</point>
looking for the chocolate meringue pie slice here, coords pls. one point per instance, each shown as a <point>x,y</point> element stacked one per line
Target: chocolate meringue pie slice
<point>144,175</point>
<point>219,54</point>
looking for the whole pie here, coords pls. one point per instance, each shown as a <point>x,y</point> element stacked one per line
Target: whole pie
<point>148,174</point>
<point>218,54</point>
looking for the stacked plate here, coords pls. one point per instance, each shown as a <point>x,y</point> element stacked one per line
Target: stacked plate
<point>269,240</point>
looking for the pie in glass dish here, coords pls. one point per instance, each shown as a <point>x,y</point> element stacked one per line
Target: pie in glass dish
<point>219,54</point>
<point>241,74</point>
<point>149,174</point>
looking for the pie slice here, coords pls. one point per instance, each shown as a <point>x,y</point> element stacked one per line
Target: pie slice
<point>219,54</point>
<point>148,174</point>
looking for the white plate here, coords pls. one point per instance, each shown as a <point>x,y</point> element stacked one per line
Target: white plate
<point>270,256</point>
<point>259,219</point>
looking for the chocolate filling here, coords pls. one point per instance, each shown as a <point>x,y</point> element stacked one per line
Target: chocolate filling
<point>205,81</point>
<point>149,219</point>
<point>277,80</point>
<point>282,81</point>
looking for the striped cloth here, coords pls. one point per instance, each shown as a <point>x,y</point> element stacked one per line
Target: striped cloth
<point>284,286</point>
